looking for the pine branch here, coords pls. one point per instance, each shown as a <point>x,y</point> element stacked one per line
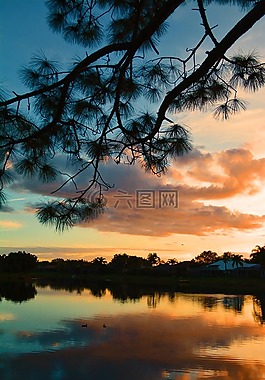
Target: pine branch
<point>215,55</point>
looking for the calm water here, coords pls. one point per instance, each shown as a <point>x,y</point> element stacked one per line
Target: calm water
<point>151,336</point>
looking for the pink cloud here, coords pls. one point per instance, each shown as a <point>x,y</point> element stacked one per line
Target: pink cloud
<point>204,177</point>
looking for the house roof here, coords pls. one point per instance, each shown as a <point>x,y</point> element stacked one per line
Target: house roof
<point>230,265</point>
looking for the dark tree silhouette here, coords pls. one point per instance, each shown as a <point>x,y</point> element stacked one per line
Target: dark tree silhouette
<point>17,291</point>
<point>89,112</point>
<point>153,259</point>
<point>237,260</point>
<point>206,257</point>
<point>119,263</point>
<point>18,262</point>
<point>258,256</point>
<point>259,308</point>
<point>99,264</point>
<point>122,263</point>
<point>172,262</point>
<point>99,261</point>
<point>227,257</point>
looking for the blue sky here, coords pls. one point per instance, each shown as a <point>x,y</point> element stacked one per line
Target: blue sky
<point>220,183</point>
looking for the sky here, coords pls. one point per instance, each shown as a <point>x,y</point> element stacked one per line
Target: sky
<point>210,199</point>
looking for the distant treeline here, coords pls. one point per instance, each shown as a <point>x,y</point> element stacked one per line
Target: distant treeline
<point>23,262</point>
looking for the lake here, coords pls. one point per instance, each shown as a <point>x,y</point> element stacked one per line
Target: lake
<point>116,332</point>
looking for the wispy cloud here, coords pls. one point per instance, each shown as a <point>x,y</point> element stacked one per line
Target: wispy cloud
<point>17,199</point>
<point>88,253</point>
<point>6,317</point>
<point>6,208</point>
<point>9,224</point>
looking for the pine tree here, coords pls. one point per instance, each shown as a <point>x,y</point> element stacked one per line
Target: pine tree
<point>89,113</point>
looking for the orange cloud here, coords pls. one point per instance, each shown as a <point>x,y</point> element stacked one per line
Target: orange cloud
<point>198,177</point>
<point>192,217</point>
<point>8,224</point>
<point>229,173</point>
<point>205,175</point>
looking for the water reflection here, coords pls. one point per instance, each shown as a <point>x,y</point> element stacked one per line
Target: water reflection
<point>150,347</point>
<point>232,302</point>
<point>17,291</point>
<point>131,292</point>
<point>149,335</point>
<point>259,308</point>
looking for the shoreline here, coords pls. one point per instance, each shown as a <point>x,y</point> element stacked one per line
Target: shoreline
<point>187,284</point>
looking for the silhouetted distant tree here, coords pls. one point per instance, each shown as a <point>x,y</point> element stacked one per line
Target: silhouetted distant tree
<point>237,260</point>
<point>59,264</point>
<point>227,257</point>
<point>258,256</point>
<point>136,264</point>
<point>99,264</point>
<point>119,263</point>
<point>19,262</point>
<point>89,112</point>
<point>206,257</point>
<point>69,266</point>
<point>58,260</point>
<point>3,263</point>
<point>99,261</point>
<point>172,262</point>
<point>153,259</point>
<point>123,263</point>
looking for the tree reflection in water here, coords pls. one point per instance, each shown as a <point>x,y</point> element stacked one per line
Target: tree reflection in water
<point>181,336</point>
<point>132,292</point>
<point>20,291</point>
<point>259,309</point>
<point>17,291</point>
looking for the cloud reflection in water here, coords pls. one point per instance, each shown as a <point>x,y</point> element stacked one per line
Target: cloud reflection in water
<point>143,347</point>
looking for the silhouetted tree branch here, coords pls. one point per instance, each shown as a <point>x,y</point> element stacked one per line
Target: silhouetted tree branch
<point>88,112</point>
